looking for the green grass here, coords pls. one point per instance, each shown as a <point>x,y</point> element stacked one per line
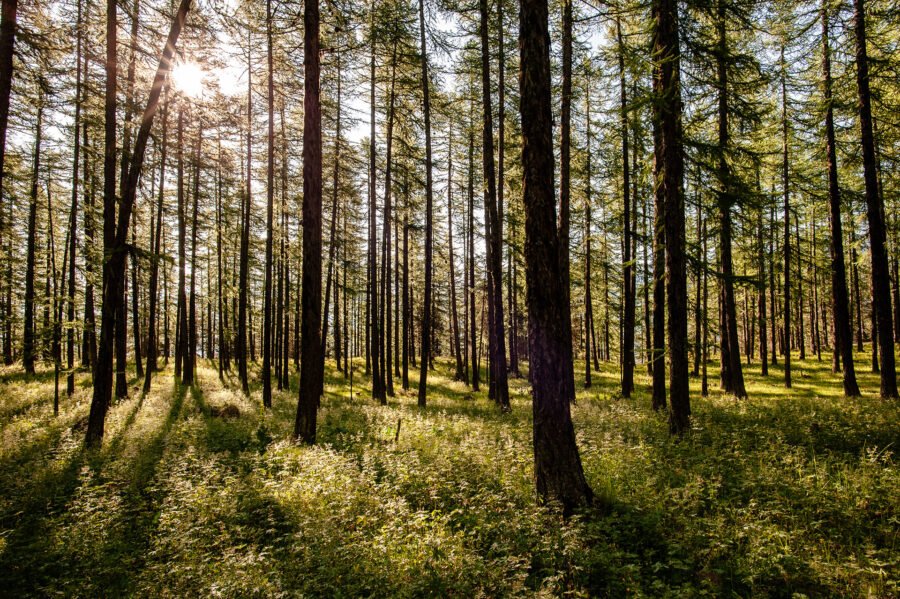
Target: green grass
<point>791,493</point>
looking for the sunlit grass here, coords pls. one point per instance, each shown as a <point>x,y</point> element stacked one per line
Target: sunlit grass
<point>200,492</point>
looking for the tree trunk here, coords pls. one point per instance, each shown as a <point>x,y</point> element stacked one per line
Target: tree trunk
<point>116,233</point>
<point>881,294</point>
<point>564,186</point>
<point>8,11</point>
<point>787,227</point>
<point>628,259</point>
<point>669,173</point>
<point>426,311</point>
<point>312,360</point>
<point>557,465</point>
<point>454,314</point>
<point>495,240</point>
<point>29,349</point>
<point>733,375</point>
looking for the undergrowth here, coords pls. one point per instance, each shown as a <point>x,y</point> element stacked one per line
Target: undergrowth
<point>199,492</point>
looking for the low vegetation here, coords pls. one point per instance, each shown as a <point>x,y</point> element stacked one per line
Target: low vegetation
<point>198,492</point>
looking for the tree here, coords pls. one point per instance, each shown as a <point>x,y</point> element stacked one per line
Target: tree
<point>840,300</point>
<point>312,359</point>
<point>429,231</point>
<point>557,464</point>
<point>117,231</point>
<point>881,293</point>
<point>669,168</point>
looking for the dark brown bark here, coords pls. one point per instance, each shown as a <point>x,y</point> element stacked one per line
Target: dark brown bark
<point>495,238</point>
<point>384,315</point>
<point>267,339</point>
<point>156,255</point>
<point>116,233</point>
<point>881,294</point>
<point>29,349</point>
<point>557,465</point>
<point>73,216</point>
<point>429,232</point>
<point>628,259</point>
<point>669,173</point>
<point>785,173</point>
<point>733,375</point>
<point>8,14</point>
<point>565,117</point>
<point>312,360</point>
<point>454,313</point>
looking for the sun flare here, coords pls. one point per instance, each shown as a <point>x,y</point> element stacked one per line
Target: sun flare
<point>187,78</point>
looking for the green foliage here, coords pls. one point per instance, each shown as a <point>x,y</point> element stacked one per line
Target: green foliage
<point>790,493</point>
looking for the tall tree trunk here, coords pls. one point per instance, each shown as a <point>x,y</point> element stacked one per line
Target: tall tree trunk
<point>787,226</point>
<point>565,118</point>
<point>733,375</point>
<point>476,375</point>
<point>29,349</point>
<point>373,332</point>
<point>8,10</point>
<point>628,259</point>
<point>332,236</point>
<point>557,465</point>
<point>881,294</point>
<point>116,233</point>
<point>658,400</point>
<point>763,322</point>
<point>429,233</point>
<point>267,339</point>
<point>669,172</point>
<point>312,360</point>
<point>156,254</point>
<point>73,220</point>
<point>495,240</point>
<point>246,200</point>
<point>181,321</point>
<point>385,307</point>
<point>190,358</point>
<point>454,314</point>
<point>588,223</point>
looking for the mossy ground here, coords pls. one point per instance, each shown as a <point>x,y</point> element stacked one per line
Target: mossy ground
<point>790,493</point>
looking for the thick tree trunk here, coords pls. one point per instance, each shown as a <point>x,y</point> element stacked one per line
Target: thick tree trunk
<point>881,294</point>
<point>312,360</point>
<point>669,173</point>
<point>557,465</point>
<point>116,233</point>
<point>8,11</point>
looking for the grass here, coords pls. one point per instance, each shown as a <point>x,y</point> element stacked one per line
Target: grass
<point>790,493</point>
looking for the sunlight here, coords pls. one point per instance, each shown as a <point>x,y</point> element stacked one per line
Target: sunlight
<point>188,79</point>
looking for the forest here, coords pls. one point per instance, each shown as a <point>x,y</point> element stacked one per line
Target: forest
<point>419,298</point>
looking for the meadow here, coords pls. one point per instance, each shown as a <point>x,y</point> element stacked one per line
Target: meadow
<point>199,492</point>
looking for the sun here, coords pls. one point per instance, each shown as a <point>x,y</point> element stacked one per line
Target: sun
<point>187,78</point>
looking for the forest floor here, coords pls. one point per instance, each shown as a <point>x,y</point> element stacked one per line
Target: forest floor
<point>790,493</point>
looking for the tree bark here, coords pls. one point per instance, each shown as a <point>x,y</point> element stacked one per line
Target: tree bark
<point>881,295</point>
<point>312,360</point>
<point>557,465</point>
<point>429,233</point>
<point>116,233</point>
<point>669,173</point>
